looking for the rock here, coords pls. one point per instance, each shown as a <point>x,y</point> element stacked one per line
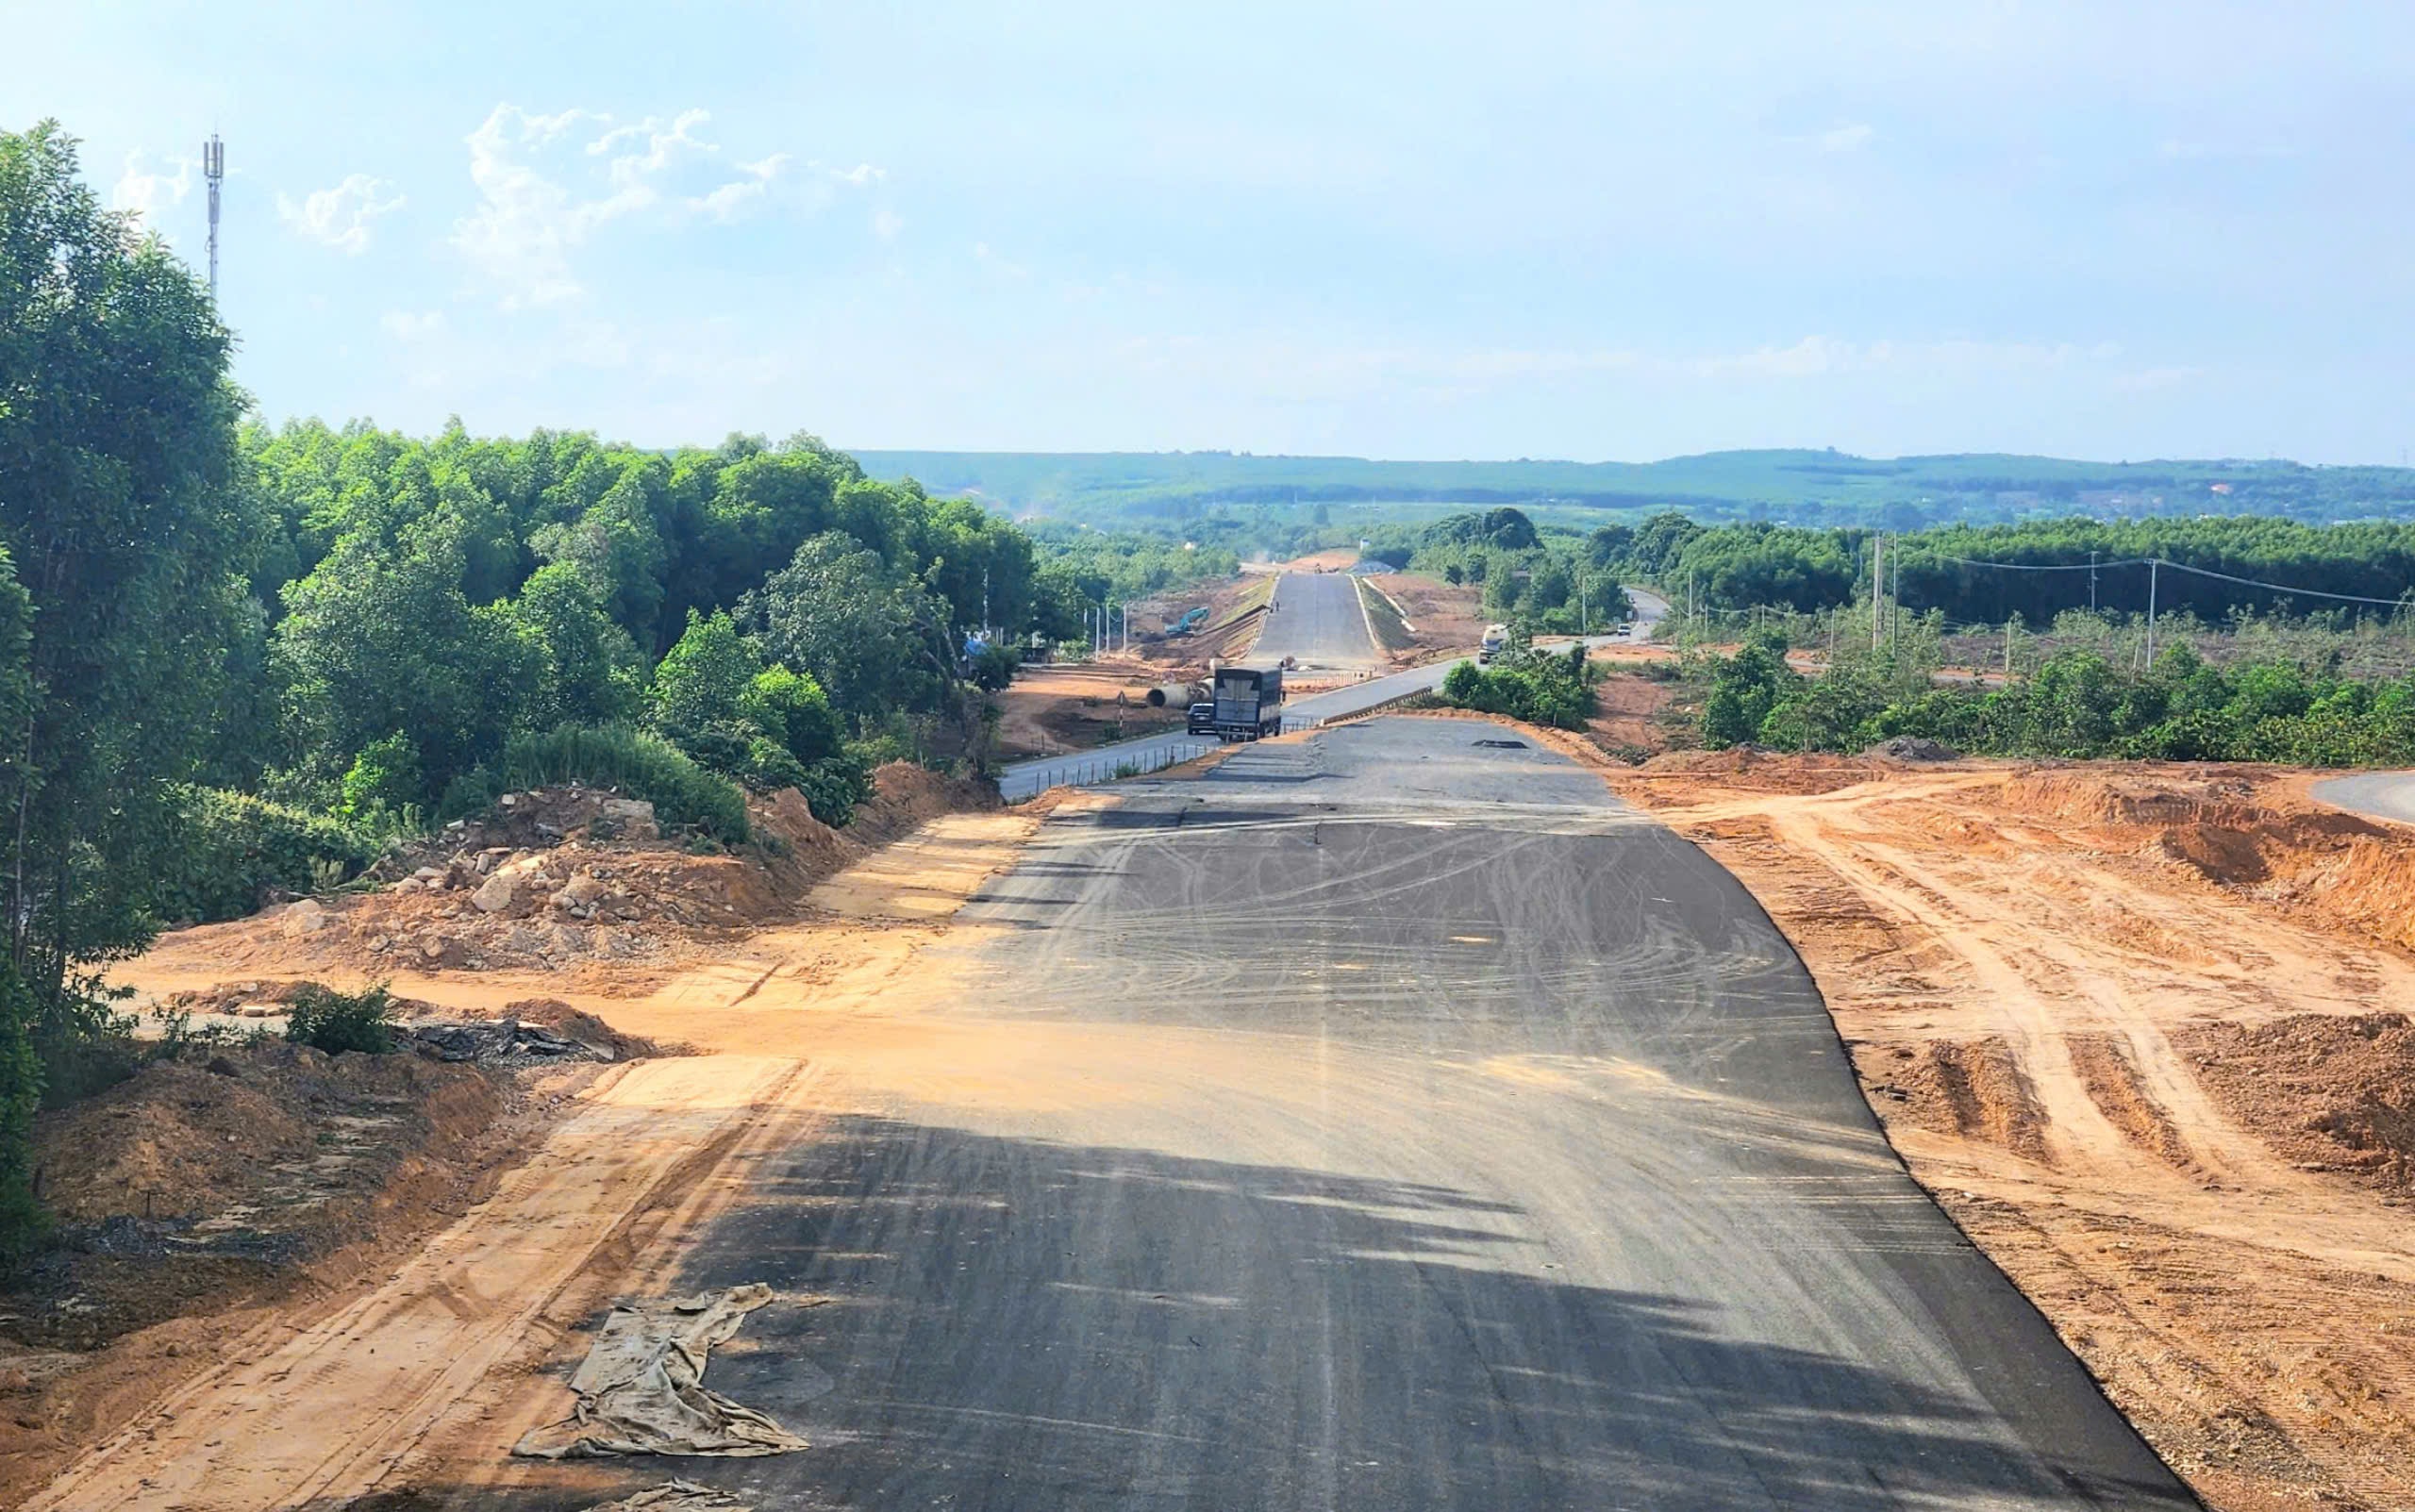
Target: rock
<point>378,944</point>
<point>303,917</point>
<point>260,1010</point>
<point>1913,748</point>
<point>632,819</point>
<point>432,876</point>
<point>432,949</point>
<point>409,885</point>
<point>578,892</point>
<point>494,894</point>
<point>509,800</point>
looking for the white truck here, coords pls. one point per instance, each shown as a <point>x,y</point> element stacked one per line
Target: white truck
<point>1495,637</point>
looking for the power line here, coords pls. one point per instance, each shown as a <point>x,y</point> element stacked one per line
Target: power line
<point>2295,592</point>
<point>2177,567</point>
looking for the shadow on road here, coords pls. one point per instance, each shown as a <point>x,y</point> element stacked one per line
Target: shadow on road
<point>1019,1324</point>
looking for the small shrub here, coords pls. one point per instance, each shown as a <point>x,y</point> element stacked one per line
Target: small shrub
<point>338,1021</point>
<point>383,780</point>
<point>613,755</point>
<point>234,848</point>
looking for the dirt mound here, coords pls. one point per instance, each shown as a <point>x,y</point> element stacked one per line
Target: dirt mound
<point>2240,828</point>
<point>2146,795</point>
<point>2333,1093</point>
<point>906,796</point>
<point>574,1023</point>
<point>1974,1088</point>
<point>1753,768</point>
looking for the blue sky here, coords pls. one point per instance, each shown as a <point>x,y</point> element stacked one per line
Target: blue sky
<point>1593,231</point>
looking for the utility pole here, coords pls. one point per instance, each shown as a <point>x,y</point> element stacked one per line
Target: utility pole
<point>213,170</point>
<point>1877,587</point>
<point>1895,608</point>
<point>985,604</point>
<point>2153,562</point>
<point>2008,627</point>
<point>2091,582</point>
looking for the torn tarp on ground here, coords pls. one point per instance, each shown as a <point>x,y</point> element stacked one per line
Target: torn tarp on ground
<point>641,1388</point>
<point>677,1496</point>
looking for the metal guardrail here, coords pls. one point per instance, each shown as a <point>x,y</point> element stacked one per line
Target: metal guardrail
<point>1076,772</point>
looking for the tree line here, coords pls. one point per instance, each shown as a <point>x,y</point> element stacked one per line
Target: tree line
<point>2076,704</point>
<point>1987,575</point>
<point>235,655</point>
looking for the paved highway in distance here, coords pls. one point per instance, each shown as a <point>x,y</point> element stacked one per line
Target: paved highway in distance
<point>1024,779</point>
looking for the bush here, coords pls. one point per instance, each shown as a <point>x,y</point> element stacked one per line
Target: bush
<point>383,780</point>
<point>1536,687</point>
<point>614,755</point>
<point>231,848</point>
<point>338,1021</point>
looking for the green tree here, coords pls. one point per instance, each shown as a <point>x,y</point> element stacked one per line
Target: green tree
<point>871,637</point>
<point>588,672</point>
<point>703,679</point>
<point>129,552</point>
<point>117,445</point>
<point>378,641</point>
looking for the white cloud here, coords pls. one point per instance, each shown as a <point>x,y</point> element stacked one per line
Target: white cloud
<point>886,224</point>
<point>407,326</point>
<point>144,192</point>
<point>751,189</point>
<point>340,217</point>
<point>1847,138</point>
<point>534,209</point>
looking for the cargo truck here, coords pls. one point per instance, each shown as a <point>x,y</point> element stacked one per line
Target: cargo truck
<point>1249,703</point>
<point>1495,638</point>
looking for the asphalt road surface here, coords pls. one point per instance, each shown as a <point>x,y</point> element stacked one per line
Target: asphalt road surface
<point>2375,794</point>
<point>1383,1120</point>
<point>1319,623</point>
<point>1024,778</point>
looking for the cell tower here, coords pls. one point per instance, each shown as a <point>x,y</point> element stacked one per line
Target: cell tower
<point>213,169</point>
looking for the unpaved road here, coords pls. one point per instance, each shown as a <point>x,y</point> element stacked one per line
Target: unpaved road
<point>1317,621</point>
<point>1377,1120</point>
<point>2047,997</point>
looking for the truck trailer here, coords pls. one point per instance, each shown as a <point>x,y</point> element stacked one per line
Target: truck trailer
<point>1249,703</point>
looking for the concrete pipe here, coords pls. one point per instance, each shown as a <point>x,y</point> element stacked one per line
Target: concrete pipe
<point>1181,696</point>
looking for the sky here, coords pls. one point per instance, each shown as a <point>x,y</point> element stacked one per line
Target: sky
<point>1600,231</point>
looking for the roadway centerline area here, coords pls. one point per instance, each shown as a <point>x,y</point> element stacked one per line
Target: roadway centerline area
<point>1382,1120</point>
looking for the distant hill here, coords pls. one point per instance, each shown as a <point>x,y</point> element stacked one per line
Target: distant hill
<point>1804,486</point>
